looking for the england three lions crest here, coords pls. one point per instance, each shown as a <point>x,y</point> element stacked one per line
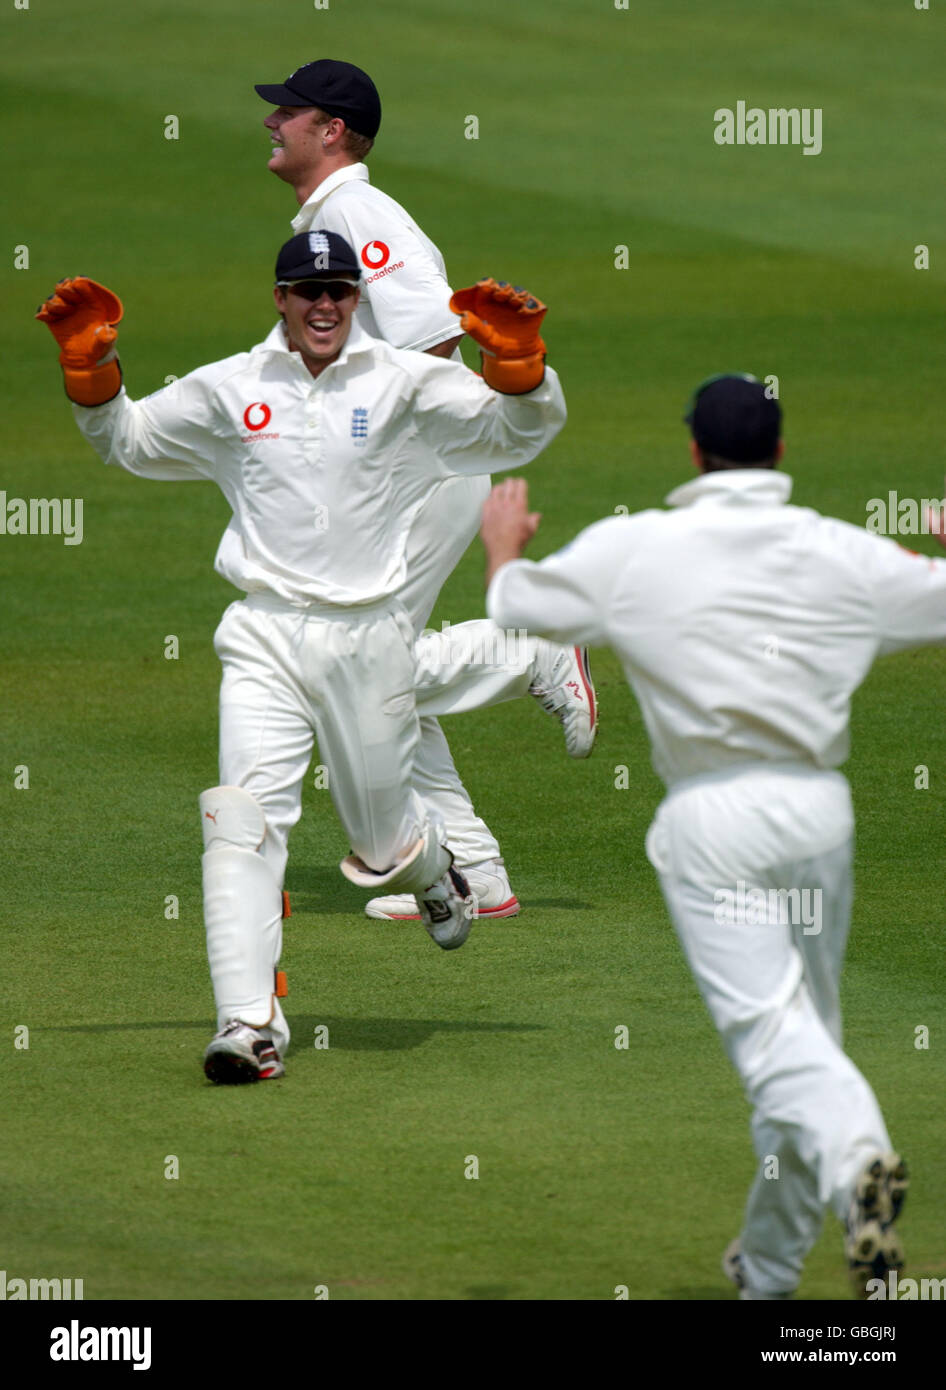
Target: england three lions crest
<point>359,425</point>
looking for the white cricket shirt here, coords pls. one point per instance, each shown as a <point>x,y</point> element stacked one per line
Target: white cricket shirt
<point>405,297</point>
<point>324,474</point>
<point>744,625</point>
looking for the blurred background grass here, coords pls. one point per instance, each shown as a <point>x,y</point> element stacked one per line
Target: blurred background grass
<point>595,133</point>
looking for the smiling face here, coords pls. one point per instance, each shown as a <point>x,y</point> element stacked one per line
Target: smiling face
<point>317,324</point>
<point>296,133</point>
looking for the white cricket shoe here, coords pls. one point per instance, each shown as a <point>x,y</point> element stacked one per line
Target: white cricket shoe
<point>239,1054</point>
<point>871,1244</point>
<point>488,882</point>
<point>448,909</point>
<point>562,685</point>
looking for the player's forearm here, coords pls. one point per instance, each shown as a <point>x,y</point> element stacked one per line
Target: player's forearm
<point>103,426</point>
<point>123,436</point>
<point>489,432</point>
<point>446,349</point>
<point>524,594</point>
<point>497,555</point>
<point>522,426</point>
<point>115,433</point>
<point>506,601</point>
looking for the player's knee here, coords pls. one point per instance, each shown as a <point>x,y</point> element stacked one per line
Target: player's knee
<point>231,818</point>
<point>423,864</point>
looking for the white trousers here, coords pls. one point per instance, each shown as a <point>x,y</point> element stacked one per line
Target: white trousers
<point>437,541</point>
<point>347,678</point>
<point>755,868</point>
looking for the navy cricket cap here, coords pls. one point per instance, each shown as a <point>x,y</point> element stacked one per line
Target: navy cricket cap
<point>313,254</point>
<point>341,89</point>
<point>731,416</point>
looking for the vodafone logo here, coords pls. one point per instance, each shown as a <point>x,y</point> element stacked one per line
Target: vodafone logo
<point>374,254</point>
<point>257,416</point>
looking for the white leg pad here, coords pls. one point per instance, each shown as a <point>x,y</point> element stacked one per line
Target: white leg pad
<point>230,816</point>
<point>425,863</point>
<point>242,911</point>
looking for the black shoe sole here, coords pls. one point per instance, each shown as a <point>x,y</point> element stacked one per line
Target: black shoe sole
<point>876,1251</point>
<point>224,1069</point>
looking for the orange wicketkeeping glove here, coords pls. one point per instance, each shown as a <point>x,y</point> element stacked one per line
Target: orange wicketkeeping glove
<point>81,316</point>
<point>505,321</point>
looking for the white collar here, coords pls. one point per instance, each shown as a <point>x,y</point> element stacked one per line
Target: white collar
<point>760,487</point>
<point>346,174</point>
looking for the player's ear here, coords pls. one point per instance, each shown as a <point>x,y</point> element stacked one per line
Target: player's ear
<point>780,451</point>
<point>696,455</point>
<point>334,131</point>
<point>279,295</point>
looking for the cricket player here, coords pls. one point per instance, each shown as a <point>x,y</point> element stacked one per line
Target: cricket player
<point>744,625</point>
<point>325,442</point>
<point>326,118</point>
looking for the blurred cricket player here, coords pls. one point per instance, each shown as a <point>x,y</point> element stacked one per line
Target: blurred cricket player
<point>744,625</point>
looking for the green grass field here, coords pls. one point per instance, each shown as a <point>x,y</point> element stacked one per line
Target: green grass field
<point>597,1167</point>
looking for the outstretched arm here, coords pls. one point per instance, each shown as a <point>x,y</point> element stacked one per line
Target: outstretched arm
<point>169,435</point>
<point>565,597</point>
<point>506,417</point>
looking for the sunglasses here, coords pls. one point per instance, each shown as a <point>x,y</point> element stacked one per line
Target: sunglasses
<point>314,289</point>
